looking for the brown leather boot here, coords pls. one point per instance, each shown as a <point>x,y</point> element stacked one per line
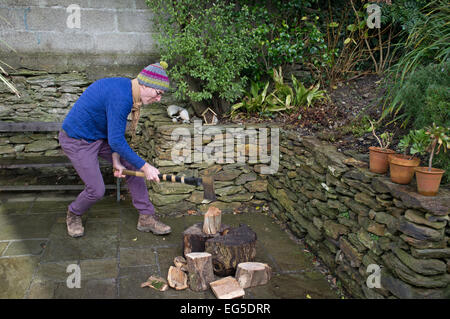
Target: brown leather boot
<point>74,225</point>
<point>151,223</point>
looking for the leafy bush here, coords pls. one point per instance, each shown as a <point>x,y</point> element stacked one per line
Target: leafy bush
<point>208,45</point>
<point>289,33</point>
<point>424,97</point>
<point>426,42</point>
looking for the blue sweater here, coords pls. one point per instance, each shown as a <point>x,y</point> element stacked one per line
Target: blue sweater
<point>101,113</point>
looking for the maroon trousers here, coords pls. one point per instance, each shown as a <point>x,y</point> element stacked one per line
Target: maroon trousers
<point>84,157</point>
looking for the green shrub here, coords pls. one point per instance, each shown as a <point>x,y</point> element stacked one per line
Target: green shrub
<point>426,42</point>
<point>424,97</point>
<point>208,45</point>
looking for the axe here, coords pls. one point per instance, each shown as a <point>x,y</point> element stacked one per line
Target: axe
<point>206,181</point>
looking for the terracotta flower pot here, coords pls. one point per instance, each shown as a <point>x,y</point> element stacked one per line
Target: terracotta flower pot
<point>379,159</point>
<point>402,168</point>
<point>428,182</point>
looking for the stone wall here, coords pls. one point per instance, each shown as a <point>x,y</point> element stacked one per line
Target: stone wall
<point>44,97</point>
<point>112,37</point>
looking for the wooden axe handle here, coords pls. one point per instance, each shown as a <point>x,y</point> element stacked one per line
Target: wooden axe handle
<point>168,178</point>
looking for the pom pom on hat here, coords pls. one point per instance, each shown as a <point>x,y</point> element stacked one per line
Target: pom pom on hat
<point>155,76</point>
<point>164,64</point>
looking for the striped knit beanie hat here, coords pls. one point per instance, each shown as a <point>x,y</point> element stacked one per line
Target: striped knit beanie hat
<point>155,76</point>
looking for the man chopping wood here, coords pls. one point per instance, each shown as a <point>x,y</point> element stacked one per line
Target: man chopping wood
<point>95,126</point>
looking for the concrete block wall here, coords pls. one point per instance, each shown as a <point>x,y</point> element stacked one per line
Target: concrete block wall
<point>111,33</point>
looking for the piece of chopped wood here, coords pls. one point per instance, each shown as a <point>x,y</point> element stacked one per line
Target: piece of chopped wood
<point>212,221</point>
<point>157,283</point>
<point>227,288</point>
<point>180,262</point>
<point>251,274</point>
<point>177,278</point>
<point>200,270</point>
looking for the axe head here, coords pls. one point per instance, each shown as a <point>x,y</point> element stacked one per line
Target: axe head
<point>208,188</point>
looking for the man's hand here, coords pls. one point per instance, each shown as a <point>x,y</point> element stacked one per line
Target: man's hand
<point>118,168</point>
<point>151,173</point>
<point>117,165</point>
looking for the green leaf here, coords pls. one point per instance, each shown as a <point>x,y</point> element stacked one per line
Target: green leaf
<point>333,25</point>
<point>351,28</point>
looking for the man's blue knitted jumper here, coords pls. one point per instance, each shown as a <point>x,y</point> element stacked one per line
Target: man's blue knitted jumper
<point>101,113</point>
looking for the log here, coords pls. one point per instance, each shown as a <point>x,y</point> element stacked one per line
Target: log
<point>177,278</point>
<point>238,245</point>
<point>212,221</point>
<point>251,274</point>
<point>194,238</point>
<point>227,288</point>
<point>200,271</point>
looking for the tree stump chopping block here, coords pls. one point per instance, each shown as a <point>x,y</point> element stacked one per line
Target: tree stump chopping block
<point>200,270</point>
<point>194,238</point>
<point>238,245</point>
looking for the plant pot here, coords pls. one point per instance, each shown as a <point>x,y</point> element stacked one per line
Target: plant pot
<point>428,182</point>
<point>402,168</point>
<point>379,159</point>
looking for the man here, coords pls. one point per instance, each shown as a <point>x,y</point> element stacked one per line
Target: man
<point>95,126</point>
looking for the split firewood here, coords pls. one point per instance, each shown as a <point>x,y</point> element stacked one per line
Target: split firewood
<point>177,278</point>
<point>251,274</point>
<point>200,270</point>
<point>180,262</point>
<point>227,288</point>
<point>157,283</point>
<point>212,221</point>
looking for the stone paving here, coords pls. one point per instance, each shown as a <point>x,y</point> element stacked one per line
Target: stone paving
<point>115,258</point>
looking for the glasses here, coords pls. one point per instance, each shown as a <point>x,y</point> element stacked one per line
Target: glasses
<point>159,92</point>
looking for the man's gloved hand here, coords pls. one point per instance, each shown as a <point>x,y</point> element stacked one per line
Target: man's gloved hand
<point>151,173</point>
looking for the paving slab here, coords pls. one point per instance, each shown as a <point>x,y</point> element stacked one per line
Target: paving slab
<point>293,286</point>
<point>49,207</point>
<point>42,290</point>
<point>26,247</point>
<point>25,227</point>
<point>99,269</point>
<point>9,208</point>
<point>53,271</point>
<point>15,275</point>
<point>137,257</point>
<point>3,246</point>
<point>85,247</point>
<point>89,289</point>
